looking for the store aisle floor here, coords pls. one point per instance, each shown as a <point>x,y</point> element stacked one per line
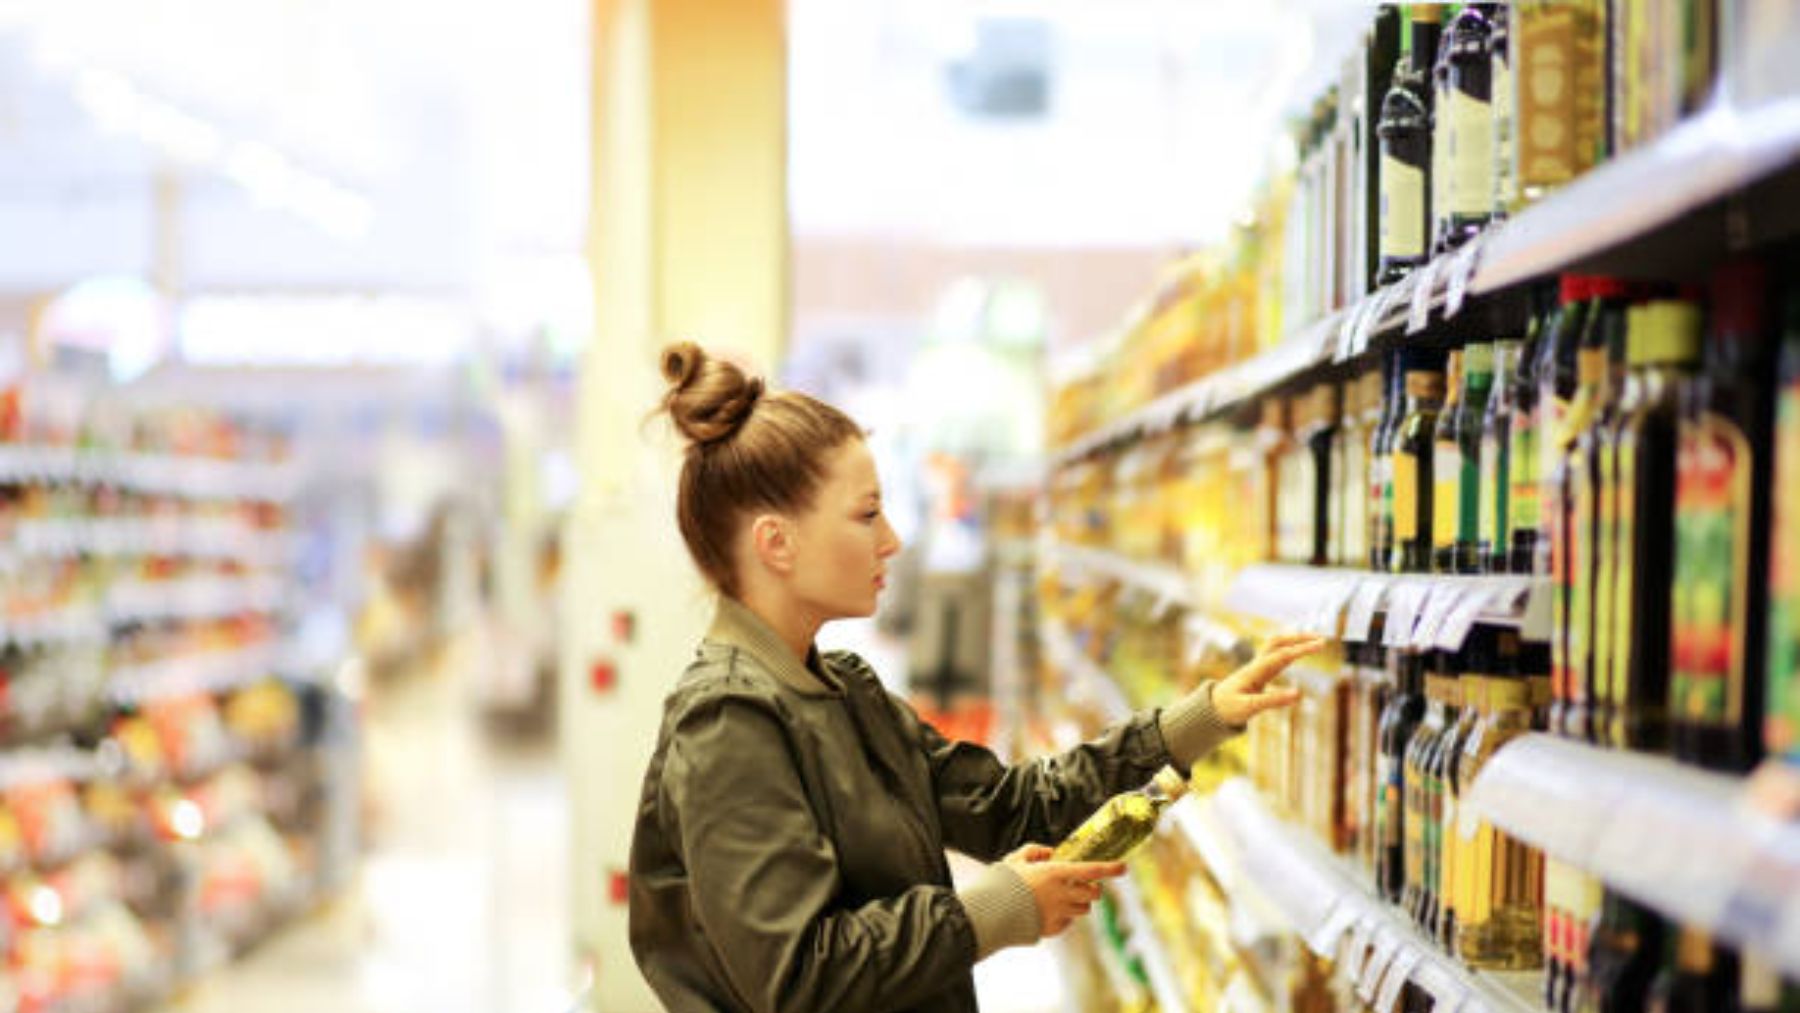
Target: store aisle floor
<point>461,902</point>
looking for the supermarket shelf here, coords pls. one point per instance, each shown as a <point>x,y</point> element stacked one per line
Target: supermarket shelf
<point>1686,842</point>
<point>1087,682</point>
<point>1218,392</point>
<point>62,627</point>
<point>211,672</point>
<point>1143,941</point>
<point>195,598</point>
<point>1325,902</point>
<point>1170,587</point>
<point>1697,163</point>
<point>1422,611</point>
<point>162,474</point>
<point>193,539</point>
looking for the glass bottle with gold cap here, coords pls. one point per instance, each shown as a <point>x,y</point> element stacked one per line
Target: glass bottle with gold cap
<point>1124,823</point>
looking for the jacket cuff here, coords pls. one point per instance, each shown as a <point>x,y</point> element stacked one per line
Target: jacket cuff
<point>1002,910</point>
<point>1192,729</point>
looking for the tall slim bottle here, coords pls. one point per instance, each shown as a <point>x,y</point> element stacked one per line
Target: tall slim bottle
<point>1494,521</point>
<point>1398,722</point>
<point>1524,478</point>
<point>1781,719</point>
<point>1467,109</point>
<point>1459,467</point>
<point>1722,506</point>
<point>1413,455</point>
<point>1381,465</point>
<point>1500,69</point>
<point>1404,131</point>
<point>1446,469</point>
<point>1624,954</point>
<point>1665,352</point>
<point>1414,896</point>
<point>1362,412</point>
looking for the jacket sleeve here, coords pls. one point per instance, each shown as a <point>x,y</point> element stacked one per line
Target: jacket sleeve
<point>988,808</point>
<point>764,878</point>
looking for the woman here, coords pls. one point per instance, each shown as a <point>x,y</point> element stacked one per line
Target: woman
<point>789,847</point>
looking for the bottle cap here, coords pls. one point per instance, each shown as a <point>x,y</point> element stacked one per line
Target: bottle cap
<point>1478,357</point>
<point>1609,288</point>
<point>1574,288</point>
<point>1170,782</point>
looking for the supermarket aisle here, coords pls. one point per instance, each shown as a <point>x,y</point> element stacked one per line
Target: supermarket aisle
<point>461,904</point>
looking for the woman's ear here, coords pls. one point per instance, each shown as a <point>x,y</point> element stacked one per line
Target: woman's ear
<point>772,539</point>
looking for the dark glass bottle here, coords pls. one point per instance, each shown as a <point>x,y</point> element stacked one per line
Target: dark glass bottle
<point>1381,465</point>
<point>1419,800</point>
<point>1525,473</point>
<point>1404,131</point>
<point>1722,506</point>
<point>1624,952</point>
<point>1458,466</point>
<point>1494,520</point>
<point>1412,454</point>
<point>1664,351</point>
<point>1379,60</point>
<point>1593,499</point>
<point>1696,976</point>
<point>1466,107</point>
<point>1399,719</point>
<point>1781,716</point>
<point>1320,438</point>
<point>1554,372</point>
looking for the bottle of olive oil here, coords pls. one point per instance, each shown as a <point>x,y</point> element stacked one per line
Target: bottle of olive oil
<point>1124,823</point>
<point>1414,452</point>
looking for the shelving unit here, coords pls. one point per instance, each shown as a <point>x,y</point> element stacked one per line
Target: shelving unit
<point>1330,906</point>
<point>1087,683</point>
<point>1686,842</point>
<point>1420,611</point>
<point>1656,189</point>
<point>1143,942</point>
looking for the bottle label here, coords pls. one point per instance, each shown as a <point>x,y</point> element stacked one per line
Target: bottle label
<point>1471,155</point>
<point>1583,522</point>
<point>1782,724</point>
<point>1355,498</point>
<point>1446,499</point>
<point>1712,566</point>
<point>1387,800</point>
<point>1545,126</point>
<point>1493,493</point>
<point>1506,181</point>
<point>1402,210</point>
<point>1406,497</point>
<point>1523,476</point>
<point>1622,506</point>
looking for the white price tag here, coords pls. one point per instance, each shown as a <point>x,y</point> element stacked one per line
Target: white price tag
<point>1344,345</point>
<point>1370,324</point>
<point>1420,314</point>
<point>1462,271</point>
<point>1325,937</point>
<point>1404,601</point>
<point>1455,631</point>
<point>1387,945</point>
<point>1388,998</point>
<point>1364,603</point>
<point>1440,601</point>
<point>1356,947</point>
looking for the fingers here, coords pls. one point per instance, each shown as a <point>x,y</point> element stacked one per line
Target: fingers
<point>1091,872</point>
<point>1035,853</point>
<point>1275,660</point>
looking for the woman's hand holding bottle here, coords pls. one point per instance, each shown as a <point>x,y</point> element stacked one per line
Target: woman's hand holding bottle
<point>1064,890</point>
<point>1245,693</point>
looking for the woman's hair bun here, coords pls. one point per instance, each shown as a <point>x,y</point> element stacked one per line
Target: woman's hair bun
<point>709,399</point>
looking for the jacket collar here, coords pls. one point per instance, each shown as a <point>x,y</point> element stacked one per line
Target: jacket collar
<point>735,625</point>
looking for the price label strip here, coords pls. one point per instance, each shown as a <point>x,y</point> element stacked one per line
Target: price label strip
<point>1462,271</point>
<point>1325,937</point>
<point>1404,602</point>
<point>1420,316</point>
<point>1387,999</point>
<point>1359,619</point>
<point>1387,946</point>
<point>1441,600</point>
<point>1356,947</point>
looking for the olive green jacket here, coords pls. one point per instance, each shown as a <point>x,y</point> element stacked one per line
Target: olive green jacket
<point>788,853</point>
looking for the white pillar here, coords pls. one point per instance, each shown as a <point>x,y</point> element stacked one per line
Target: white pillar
<point>688,238</point>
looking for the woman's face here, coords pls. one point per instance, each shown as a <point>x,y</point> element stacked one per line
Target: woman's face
<point>843,543</point>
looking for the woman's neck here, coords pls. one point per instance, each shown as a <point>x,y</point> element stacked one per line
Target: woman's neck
<point>783,615</point>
